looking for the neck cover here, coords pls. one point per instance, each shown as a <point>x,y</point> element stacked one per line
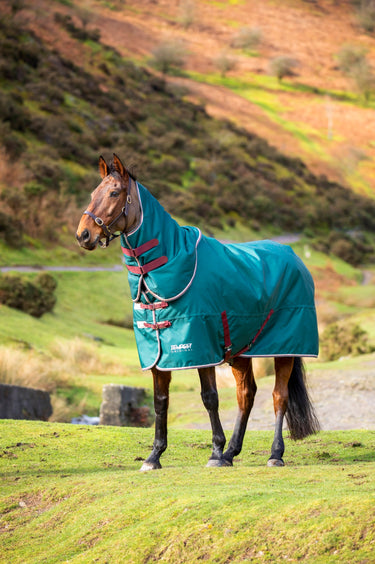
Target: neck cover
<point>198,302</point>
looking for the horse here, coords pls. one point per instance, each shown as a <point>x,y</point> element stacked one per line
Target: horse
<point>198,303</point>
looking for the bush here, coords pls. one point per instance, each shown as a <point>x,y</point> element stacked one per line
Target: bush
<point>364,79</point>
<point>34,298</point>
<point>168,55</point>
<point>11,230</point>
<point>247,38</point>
<point>344,339</point>
<point>283,66</point>
<point>225,63</point>
<point>187,11</point>
<point>349,57</point>
<point>366,15</point>
<point>353,250</point>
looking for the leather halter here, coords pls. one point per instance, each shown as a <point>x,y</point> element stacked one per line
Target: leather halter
<point>107,228</point>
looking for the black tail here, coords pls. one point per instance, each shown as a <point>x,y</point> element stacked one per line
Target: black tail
<point>300,415</point>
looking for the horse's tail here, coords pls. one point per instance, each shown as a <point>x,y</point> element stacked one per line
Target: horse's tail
<point>300,415</point>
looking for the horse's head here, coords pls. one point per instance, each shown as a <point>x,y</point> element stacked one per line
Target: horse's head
<point>113,208</point>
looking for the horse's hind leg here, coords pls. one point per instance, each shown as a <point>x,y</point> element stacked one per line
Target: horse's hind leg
<point>211,402</point>
<point>161,402</point>
<point>283,369</point>
<point>246,388</point>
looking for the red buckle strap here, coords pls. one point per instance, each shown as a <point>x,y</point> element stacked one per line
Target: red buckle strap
<point>263,325</point>
<point>227,341</point>
<point>138,251</point>
<point>148,267</point>
<point>160,325</point>
<point>157,305</point>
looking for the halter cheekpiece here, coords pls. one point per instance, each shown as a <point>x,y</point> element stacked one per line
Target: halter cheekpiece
<point>107,228</point>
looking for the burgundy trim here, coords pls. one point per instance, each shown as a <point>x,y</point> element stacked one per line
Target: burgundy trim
<point>138,251</point>
<point>263,326</point>
<point>148,267</point>
<point>157,305</point>
<point>227,341</point>
<point>160,325</point>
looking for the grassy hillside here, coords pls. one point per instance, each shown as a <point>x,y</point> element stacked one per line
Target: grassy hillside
<point>81,345</point>
<point>59,113</point>
<point>95,506</point>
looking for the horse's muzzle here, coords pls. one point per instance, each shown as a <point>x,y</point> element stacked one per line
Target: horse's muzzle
<point>84,240</point>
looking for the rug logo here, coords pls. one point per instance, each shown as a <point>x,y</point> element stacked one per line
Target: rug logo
<point>184,347</point>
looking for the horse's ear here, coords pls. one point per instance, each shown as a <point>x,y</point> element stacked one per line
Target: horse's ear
<point>103,167</point>
<point>119,166</point>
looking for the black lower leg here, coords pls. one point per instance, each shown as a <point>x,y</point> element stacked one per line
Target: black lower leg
<point>277,449</point>
<point>210,400</point>
<point>161,402</point>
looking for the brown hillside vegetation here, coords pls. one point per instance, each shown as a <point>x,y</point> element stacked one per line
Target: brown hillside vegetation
<point>70,91</point>
<point>335,124</point>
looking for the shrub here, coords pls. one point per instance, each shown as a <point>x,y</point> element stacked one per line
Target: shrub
<point>350,56</point>
<point>366,15</point>
<point>353,250</point>
<point>353,62</point>
<point>168,55</point>
<point>344,339</point>
<point>225,63</point>
<point>13,144</point>
<point>34,298</point>
<point>187,11</point>
<point>11,230</point>
<point>79,33</point>
<point>364,79</point>
<point>283,66</point>
<point>247,38</point>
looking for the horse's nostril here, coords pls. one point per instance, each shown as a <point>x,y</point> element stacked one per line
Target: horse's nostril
<point>85,235</point>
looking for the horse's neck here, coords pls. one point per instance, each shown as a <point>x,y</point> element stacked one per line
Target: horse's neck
<point>135,210</point>
<point>150,220</point>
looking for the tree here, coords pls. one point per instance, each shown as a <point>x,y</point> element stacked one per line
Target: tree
<point>225,63</point>
<point>168,55</point>
<point>247,38</point>
<point>283,66</point>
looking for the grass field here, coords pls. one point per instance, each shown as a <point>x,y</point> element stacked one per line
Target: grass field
<point>75,494</point>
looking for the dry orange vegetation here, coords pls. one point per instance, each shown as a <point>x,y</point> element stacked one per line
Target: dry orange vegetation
<point>310,31</point>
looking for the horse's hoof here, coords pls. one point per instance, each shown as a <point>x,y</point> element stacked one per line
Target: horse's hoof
<point>275,462</point>
<point>146,466</point>
<point>218,463</point>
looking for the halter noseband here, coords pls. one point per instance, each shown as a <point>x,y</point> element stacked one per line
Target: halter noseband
<point>107,228</point>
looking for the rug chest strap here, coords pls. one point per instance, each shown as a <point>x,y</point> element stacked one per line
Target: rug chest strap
<point>138,251</point>
<point>148,267</point>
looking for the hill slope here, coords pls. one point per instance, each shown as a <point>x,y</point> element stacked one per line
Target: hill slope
<point>60,112</point>
<point>97,506</point>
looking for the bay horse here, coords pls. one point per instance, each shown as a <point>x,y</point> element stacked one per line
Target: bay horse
<point>198,303</point>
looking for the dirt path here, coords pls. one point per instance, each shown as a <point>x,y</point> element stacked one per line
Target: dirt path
<point>343,399</point>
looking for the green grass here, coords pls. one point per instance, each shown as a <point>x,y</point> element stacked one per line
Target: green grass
<point>74,494</point>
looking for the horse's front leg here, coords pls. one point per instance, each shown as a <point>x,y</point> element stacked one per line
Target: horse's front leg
<point>211,402</point>
<point>161,402</point>
<point>242,369</point>
<point>283,369</point>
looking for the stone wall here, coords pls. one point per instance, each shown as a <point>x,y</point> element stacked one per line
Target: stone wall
<point>121,406</point>
<point>17,402</point>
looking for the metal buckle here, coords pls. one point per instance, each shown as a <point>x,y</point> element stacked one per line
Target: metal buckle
<point>99,221</point>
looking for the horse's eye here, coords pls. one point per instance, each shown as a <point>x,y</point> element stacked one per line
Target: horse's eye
<point>114,194</point>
